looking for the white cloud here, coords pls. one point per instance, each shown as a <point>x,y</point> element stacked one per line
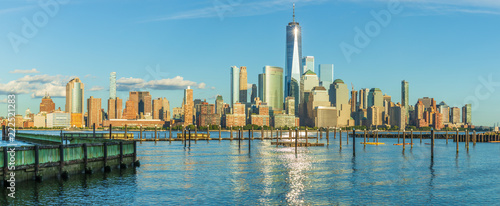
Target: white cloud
<point>96,88</point>
<point>3,101</point>
<point>176,83</point>
<point>20,71</point>
<point>37,85</point>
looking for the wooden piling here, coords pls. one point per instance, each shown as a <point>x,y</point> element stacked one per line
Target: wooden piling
<point>446,137</point>
<point>249,142</point>
<point>340,138</point>
<point>220,136</point>
<point>327,136</point>
<point>347,137</point>
<point>208,132</point>
<point>307,139</point>
<point>189,131</point>
<point>320,133</point>
<point>126,136</point>
<point>467,139</point>
<point>110,131</point>
<point>404,140</point>
<point>335,133</point>
<point>262,132</point>
<point>364,137</point>
<point>353,142</point>
<point>93,130</point>
<point>296,140</point>
<point>474,139</point>
<point>457,140</point>
<point>376,135</point>
<point>432,143</point>
<point>239,138</point>
<point>156,133</point>
<point>170,132</point>
<point>231,133</point>
<point>398,137</point>
<point>420,137</point>
<point>140,132</point>
<point>411,136</point>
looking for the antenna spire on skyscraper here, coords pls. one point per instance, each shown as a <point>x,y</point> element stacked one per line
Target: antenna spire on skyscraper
<point>293,12</point>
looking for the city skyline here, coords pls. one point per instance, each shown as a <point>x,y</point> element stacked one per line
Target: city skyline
<point>95,79</point>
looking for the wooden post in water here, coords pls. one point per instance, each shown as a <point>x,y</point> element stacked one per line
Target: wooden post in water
<point>446,137</point>
<point>404,140</point>
<point>239,138</point>
<point>251,127</point>
<point>231,133</point>
<point>220,136</point>
<point>195,134</point>
<point>376,134</point>
<point>262,132</point>
<point>335,133</point>
<point>340,138</point>
<point>93,130</point>
<point>364,138</point>
<point>432,143</point>
<point>140,132</point>
<point>456,139</point>
<point>398,137</point>
<point>296,139</point>
<point>347,138</point>
<point>467,139</point>
<point>208,132</point>
<point>320,133</point>
<point>307,139</point>
<point>290,133</point>
<point>110,130</point>
<point>353,142</point>
<point>420,137</point>
<point>276,137</point>
<point>156,133</point>
<point>183,132</point>
<point>328,136</point>
<point>170,132</point>
<point>126,137</point>
<point>411,136</point>
<point>249,142</point>
<point>474,139</point>
<point>189,131</point>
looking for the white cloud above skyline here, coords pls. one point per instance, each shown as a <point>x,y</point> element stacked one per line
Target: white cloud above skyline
<point>28,71</point>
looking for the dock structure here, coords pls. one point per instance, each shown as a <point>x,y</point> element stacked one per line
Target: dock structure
<point>299,144</point>
<point>55,156</point>
<point>470,137</point>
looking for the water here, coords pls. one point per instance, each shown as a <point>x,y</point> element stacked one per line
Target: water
<point>218,173</point>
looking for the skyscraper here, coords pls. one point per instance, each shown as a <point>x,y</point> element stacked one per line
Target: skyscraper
<point>455,115</point>
<point>112,85</point>
<point>363,98</point>
<point>293,58</point>
<point>326,75</point>
<point>466,114</point>
<point>270,87</point>
<point>94,112</point>
<point>243,84</point>
<point>219,105</point>
<point>188,106</point>
<point>307,64</point>
<point>47,104</point>
<point>405,94</point>
<point>161,109</point>
<point>339,93</point>
<point>444,109</point>
<point>254,93</point>
<point>74,101</point>
<point>143,101</point>
<point>115,108</point>
<point>375,98</point>
<point>308,81</point>
<point>235,85</point>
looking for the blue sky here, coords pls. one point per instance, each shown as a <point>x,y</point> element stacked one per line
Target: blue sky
<point>448,51</point>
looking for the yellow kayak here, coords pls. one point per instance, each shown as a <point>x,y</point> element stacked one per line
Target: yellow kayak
<point>373,143</point>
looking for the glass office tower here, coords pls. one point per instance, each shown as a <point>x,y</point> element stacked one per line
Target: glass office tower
<point>293,60</point>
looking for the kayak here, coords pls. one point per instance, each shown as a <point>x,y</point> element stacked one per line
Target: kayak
<point>373,143</point>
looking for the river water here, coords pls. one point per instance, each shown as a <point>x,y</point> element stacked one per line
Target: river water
<point>222,173</point>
